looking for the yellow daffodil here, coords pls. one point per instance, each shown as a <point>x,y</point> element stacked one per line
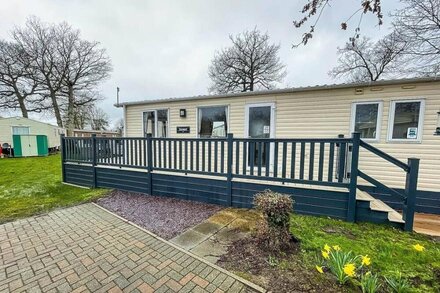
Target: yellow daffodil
<point>325,254</point>
<point>327,248</point>
<point>319,269</point>
<point>366,261</point>
<point>349,269</point>
<point>419,247</point>
<point>336,247</point>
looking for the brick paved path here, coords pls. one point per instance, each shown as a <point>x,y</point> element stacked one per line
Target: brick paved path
<point>85,248</point>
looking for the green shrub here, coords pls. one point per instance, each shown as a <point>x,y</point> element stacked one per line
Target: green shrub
<point>397,283</point>
<point>370,283</point>
<point>274,230</point>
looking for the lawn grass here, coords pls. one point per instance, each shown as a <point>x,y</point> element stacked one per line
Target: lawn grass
<point>390,250</point>
<point>33,185</point>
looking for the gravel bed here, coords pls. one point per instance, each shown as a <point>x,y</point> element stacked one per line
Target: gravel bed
<point>166,217</point>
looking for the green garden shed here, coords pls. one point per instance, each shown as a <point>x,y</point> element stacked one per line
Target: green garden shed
<point>29,145</point>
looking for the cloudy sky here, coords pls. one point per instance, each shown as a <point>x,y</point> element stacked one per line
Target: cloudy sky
<point>162,49</point>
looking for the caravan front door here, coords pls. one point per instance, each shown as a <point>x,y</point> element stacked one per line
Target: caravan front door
<point>260,123</point>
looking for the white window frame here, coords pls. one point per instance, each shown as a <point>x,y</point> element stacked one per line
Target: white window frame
<point>419,126</point>
<point>272,129</point>
<point>22,126</point>
<point>378,122</point>
<point>228,125</point>
<point>155,120</point>
<point>272,117</point>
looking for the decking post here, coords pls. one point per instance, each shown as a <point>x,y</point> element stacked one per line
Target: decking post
<point>94,159</point>
<point>411,193</point>
<point>150,162</point>
<point>230,139</point>
<point>63,157</point>
<point>351,212</point>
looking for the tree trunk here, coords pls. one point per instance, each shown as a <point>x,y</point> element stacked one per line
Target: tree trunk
<point>56,108</point>
<point>24,111</point>
<point>70,112</point>
<point>21,103</point>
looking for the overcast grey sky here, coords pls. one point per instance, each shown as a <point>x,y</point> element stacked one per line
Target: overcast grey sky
<point>162,49</point>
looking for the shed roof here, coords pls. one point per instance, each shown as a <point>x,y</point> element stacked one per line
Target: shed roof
<point>23,118</point>
<point>288,90</point>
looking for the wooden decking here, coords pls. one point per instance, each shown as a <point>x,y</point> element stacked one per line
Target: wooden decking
<point>428,224</point>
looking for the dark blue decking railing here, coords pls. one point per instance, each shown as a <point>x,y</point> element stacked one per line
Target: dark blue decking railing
<point>323,162</point>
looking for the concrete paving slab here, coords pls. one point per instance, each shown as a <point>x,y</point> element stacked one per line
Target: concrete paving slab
<point>207,228</point>
<point>189,239</point>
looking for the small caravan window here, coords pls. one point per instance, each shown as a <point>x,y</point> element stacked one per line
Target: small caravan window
<point>156,123</point>
<point>366,118</point>
<point>213,121</point>
<point>406,120</point>
<point>20,130</point>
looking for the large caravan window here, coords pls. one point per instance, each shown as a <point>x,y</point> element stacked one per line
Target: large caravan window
<point>366,119</point>
<point>20,130</point>
<point>156,123</point>
<point>406,120</point>
<point>213,121</point>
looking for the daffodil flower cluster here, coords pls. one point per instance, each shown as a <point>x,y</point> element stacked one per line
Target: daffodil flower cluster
<point>345,265</point>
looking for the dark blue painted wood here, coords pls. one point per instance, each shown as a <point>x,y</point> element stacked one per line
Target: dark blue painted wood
<point>410,192</point>
<point>251,157</point>
<point>301,160</point>
<point>321,161</point>
<point>384,155</point>
<point>230,139</point>
<point>341,160</point>
<point>260,157</point>
<point>311,160</point>
<point>245,159</point>
<point>284,160</point>
<point>351,213</point>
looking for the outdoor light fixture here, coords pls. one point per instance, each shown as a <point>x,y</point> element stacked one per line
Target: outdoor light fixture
<point>182,113</point>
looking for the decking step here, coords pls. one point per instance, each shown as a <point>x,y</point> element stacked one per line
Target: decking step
<point>378,205</point>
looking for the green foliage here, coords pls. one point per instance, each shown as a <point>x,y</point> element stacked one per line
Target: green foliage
<point>273,261</point>
<point>370,283</point>
<point>274,231</point>
<point>275,206</point>
<point>397,283</point>
<point>33,185</point>
<point>337,261</point>
<point>387,247</point>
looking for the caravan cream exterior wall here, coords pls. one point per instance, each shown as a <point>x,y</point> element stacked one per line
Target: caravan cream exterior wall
<point>325,114</point>
<point>35,127</point>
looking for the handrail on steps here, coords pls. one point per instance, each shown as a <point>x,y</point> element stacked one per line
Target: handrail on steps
<point>412,171</point>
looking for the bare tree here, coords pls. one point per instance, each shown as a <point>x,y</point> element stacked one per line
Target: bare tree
<point>250,63</point>
<point>86,66</point>
<point>18,89</point>
<point>418,23</point>
<point>314,10</point>
<point>368,61</point>
<point>119,126</point>
<point>69,68</point>
<point>98,119</point>
<point>38,41</point>
<point>89,117</point>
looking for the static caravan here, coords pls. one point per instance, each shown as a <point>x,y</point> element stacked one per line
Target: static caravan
<point>32,137</point>
<point>399,117</point>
